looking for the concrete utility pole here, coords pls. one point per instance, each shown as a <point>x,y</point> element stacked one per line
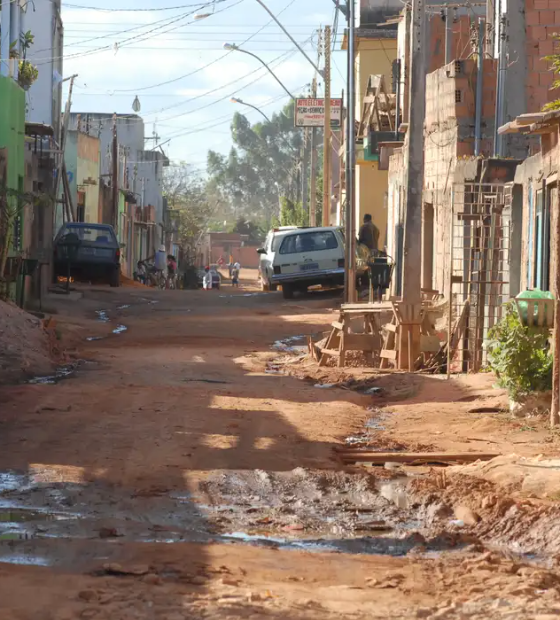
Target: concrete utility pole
<point>327,155</point>
<point>115,175</point>
<point>409,346</point>
<point>5,39</point>
<point>555,408</point>
<point>448,36</point>
<point>62,140</point>
<point>350,216</point>
<point>305,171</point>
<point>313,167</point>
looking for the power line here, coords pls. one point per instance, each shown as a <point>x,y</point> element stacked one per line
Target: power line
<point>128,10</point>
<point>191,73</point>
<point>168,21</point>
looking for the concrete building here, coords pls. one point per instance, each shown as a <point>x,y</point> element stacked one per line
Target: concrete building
<point>13,243</point>
<point>535,196</point>
<point>44,98</point>
<point>140,171</point>
<point>82,158</point>
<point>376,54</point>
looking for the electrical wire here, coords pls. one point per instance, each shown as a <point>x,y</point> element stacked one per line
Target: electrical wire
<point>128,10</point>
<point>191,73</point>
<point>126,42</point>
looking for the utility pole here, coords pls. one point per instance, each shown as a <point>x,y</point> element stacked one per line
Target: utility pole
<point>305,171</point>
<point>115,175</point>
<point>555,407</point>
<point>327,156</point>
<point>313,166</point>
<point>350,216</point>
<point>409,345</point>
<point>62,140</point>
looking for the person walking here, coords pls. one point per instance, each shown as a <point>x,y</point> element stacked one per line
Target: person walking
<point>207,280</point>
<point>235,275</point>
<point>369,234</point>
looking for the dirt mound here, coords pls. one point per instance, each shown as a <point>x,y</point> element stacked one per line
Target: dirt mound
<point>129,283</point>
<point>490,513</point>
<point>25,345</point>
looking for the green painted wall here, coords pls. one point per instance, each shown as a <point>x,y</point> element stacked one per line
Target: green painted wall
<point>12,135</point>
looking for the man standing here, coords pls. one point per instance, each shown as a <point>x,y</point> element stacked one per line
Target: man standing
<point>369,234</point>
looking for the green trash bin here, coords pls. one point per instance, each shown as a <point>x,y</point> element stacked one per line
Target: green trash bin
<point>547,320</point>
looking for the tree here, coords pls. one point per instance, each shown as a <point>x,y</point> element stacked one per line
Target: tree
<point>554,61</point>
<point>292,213</point>
<point>191,207</point>
<point>247,227</point>
<point>261,167</point>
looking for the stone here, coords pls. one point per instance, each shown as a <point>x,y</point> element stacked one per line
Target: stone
<point>108,532</point>
<point>466,515</point>
<point>229,581</point>
<point>88,595</point>
<point>198,580</point>
<point>152,579</point>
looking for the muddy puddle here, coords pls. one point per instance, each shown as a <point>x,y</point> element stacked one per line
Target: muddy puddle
<point>103,316</point>
<point>316,511</point>
<point>61,373</point>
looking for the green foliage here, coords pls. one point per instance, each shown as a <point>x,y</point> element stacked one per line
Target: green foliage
<point>191,206</point>
<point>292,213</point>
<point>247,227</point>
<point>554,61</point>
<point>519,356</point>
<point>28,73</point>
<point>260,166</point>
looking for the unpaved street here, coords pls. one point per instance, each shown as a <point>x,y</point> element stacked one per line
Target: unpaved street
<point>176,473</point>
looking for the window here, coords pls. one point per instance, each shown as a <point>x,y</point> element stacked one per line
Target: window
<point>99,234</point>
<point>542,240</point>
<point>309,242</point>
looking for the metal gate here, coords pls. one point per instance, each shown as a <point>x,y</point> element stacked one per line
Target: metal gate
<point>479,269</point>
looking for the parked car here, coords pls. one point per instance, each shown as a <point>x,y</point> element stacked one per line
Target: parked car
<point>97,256</point>
<point>297,258</point>
<point>216,277</point>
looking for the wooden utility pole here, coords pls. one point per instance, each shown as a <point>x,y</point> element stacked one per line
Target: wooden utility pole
<point>409,345</point>
<point>327,156</point>
<point>555,408</point>
<point>115,175</point>
<point>313,167</point>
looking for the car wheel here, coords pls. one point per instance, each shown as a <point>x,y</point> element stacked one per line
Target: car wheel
<point>115,279</point>
<point>287,291</point>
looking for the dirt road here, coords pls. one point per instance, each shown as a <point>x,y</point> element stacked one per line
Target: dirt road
<point>173,475</point>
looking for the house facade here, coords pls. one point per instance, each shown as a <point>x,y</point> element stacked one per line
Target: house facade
<point>140,172</point>
<point>44,98</point>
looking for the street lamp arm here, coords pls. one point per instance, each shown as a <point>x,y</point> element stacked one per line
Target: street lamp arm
<point>319,71</point>
<point>263,63</point>
<point>250,105</point>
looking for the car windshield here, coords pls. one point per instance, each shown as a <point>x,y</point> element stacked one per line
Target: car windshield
<point>309,242</point>
<point>90,234</point>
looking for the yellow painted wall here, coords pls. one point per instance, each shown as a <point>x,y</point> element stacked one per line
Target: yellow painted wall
<point>371,189</point>
<point>375,56</point>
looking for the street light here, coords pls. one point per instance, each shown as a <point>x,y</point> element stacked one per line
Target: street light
<point>319,71</point>
<point>250,105</point>
<point>235,48</point>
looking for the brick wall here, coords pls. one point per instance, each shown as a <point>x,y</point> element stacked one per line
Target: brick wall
<point>542,18</point>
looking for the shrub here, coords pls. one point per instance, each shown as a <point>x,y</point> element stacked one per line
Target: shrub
<point>520,356</point>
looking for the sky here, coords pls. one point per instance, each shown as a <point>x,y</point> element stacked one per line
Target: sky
<point>177,67</point>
